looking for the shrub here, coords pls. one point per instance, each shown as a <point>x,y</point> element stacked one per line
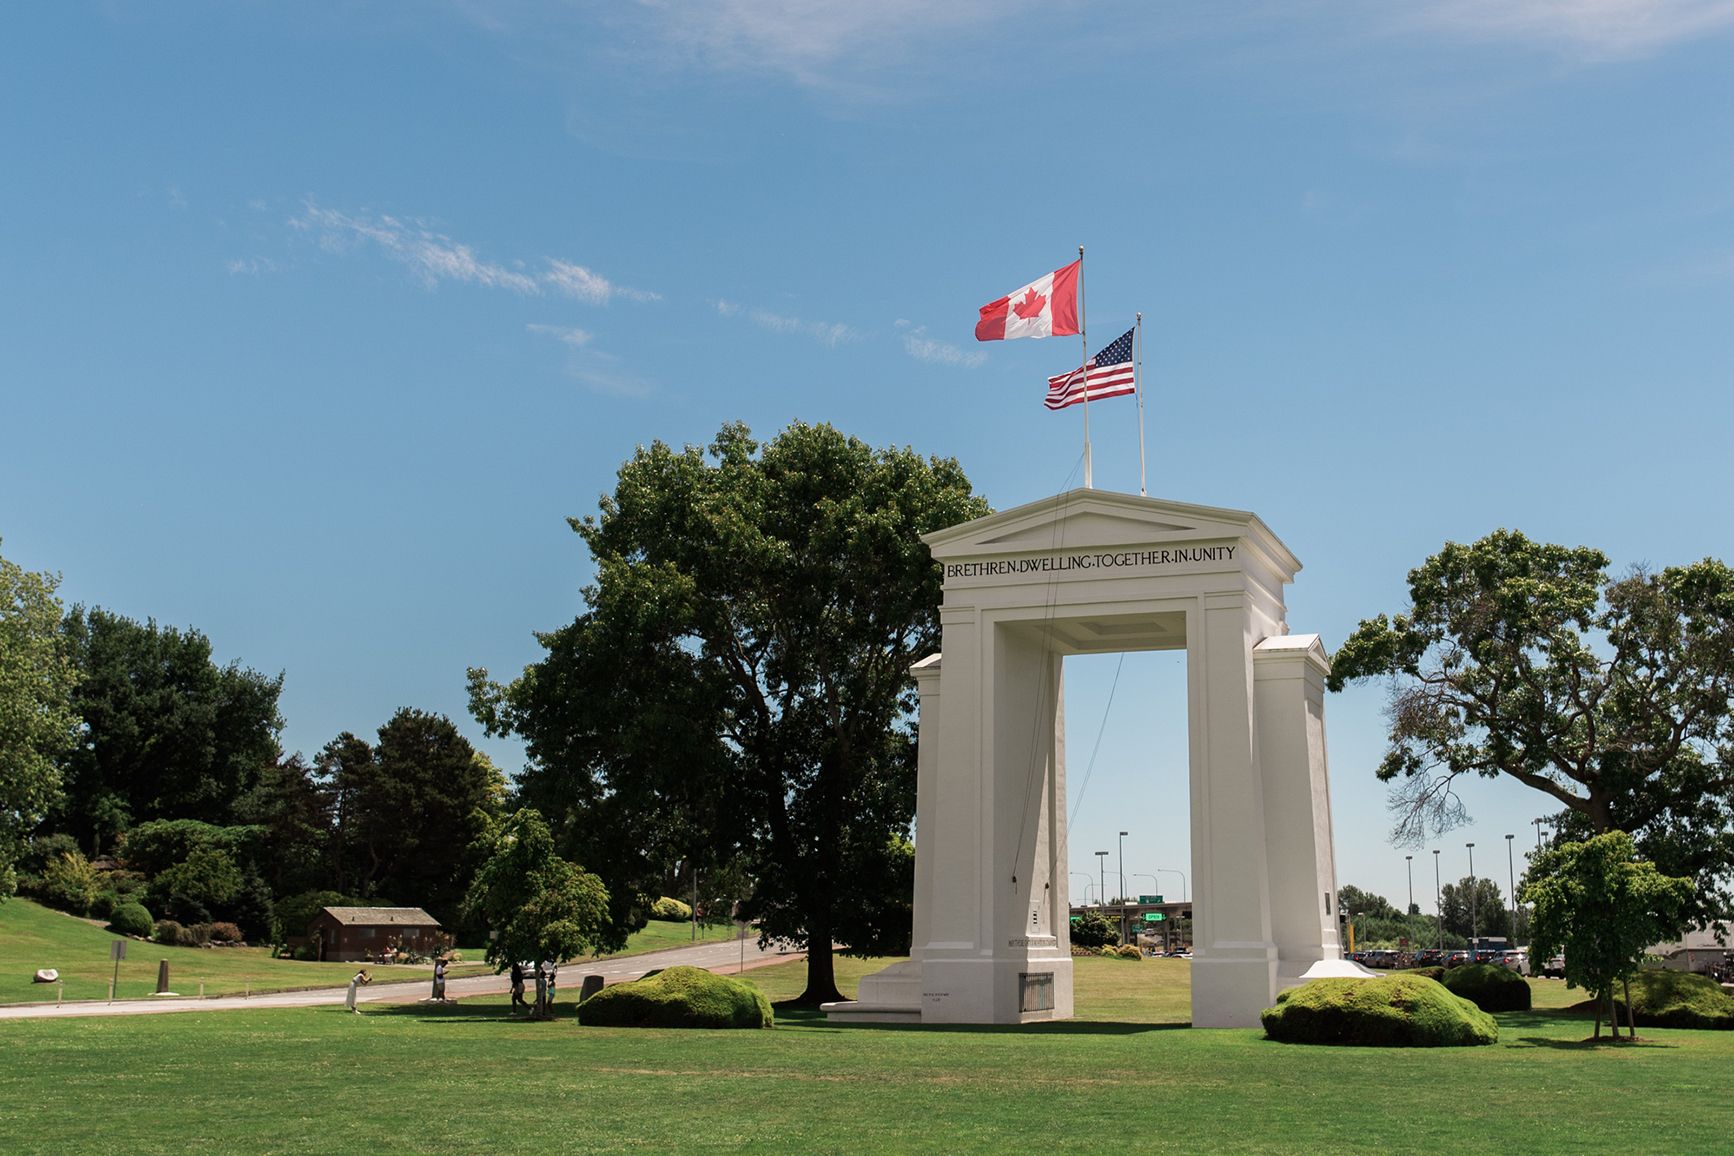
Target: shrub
<point>1489,987</point>
<point>168,932</point>
<point>670,909</point>
<point>106,902</point>
<point>678,997</point>
<point>1391,1011</point>
<point>1675,999</point>
<point>1128,951</point>
<point>1093,929</point>
<point>130,919</point>
<point>70,883</point>
<point>304,953</point>
<point>1435,973</point>
<point>222,932</point>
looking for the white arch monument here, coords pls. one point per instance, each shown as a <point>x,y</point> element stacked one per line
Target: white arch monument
<point>1089,572</point>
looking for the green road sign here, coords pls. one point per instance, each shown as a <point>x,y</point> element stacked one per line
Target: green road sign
<point>1149,899</point>
<point>1154,917</point>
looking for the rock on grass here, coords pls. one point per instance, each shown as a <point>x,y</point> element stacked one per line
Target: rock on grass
<point>1396,1011</point>
<point>679,997</point>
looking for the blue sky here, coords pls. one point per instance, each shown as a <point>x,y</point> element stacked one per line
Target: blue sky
<point>317,321</point>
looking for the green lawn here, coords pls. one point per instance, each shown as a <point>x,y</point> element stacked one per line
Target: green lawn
<point>33,937</point>
<point>659,934</point>
<point>1124,1075</point>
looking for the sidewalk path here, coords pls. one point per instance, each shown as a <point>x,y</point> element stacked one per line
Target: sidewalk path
<point>723,958</point>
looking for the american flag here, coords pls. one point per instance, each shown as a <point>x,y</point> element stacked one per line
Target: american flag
<point>1108,374</point>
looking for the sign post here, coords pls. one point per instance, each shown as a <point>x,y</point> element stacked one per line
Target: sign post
<point>116,952</point>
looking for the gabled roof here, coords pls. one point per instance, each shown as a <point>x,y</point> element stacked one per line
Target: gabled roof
<point>368,916</point>
<point>1103,518</point>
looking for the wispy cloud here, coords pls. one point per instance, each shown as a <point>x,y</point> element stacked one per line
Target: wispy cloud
<point>570,336</point>
<point>251,266</point>
<point>918,345</point>
<point>1598,28</point>
<point>434,257</point>
<point>825,332</point>
<point>811,40</point>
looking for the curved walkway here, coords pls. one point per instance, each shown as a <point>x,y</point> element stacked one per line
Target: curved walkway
<point>723,958</point>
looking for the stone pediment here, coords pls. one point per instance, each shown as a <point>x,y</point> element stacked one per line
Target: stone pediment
<point>1097,519</point>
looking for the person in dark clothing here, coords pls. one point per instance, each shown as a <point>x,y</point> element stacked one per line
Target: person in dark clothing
<point>518,1000</point>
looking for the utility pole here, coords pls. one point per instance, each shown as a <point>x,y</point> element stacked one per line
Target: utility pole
<point>1438,911</point>
<point>1474,928</point>
<point>1511,870</point>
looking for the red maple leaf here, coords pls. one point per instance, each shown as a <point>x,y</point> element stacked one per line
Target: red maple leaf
<point>1031,305</point>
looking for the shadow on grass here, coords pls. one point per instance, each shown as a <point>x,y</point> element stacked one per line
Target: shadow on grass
<point>465,1011</point>
<point>812,1019</point>
<point>1582,1045</point>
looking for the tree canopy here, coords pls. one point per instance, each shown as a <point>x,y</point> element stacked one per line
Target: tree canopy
<point>1601,906</point>
<point>171,735</point>
<point>1610,697</point>
<point>409,810</point>
<point>38,720</point>
<point>738,683</point>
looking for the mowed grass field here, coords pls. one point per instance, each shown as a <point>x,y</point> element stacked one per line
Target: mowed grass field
<point>32,936</point>
<point>1126,1075</point>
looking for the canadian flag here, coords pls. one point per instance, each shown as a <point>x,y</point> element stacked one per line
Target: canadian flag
<point>1046,307</point>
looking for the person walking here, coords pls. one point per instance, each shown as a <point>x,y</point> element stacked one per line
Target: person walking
<point>518,1000</point>
<point>439,979</point>
<point>553,981</point>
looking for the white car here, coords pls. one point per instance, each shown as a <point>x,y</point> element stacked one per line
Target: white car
<point>1517,959</point>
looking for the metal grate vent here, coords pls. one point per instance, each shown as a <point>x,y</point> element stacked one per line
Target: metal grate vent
<point>1035,991</point>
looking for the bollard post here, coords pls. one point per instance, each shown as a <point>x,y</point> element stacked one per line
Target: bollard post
<point>201,990</point>
<point>111,991</point>
<point>592,985</point>
<point>162,976</point>
<point>59,992</point>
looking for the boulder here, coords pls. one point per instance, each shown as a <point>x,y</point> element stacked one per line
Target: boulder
<point>1395,1011</point>
<point>678,997</point>
<point>46,975</point>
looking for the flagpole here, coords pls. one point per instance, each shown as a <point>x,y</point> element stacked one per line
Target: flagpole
<point>1084,368</point>
<point>1138,384</point>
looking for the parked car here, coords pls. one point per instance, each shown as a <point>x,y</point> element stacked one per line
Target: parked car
<point>1456,957</point>
<point>1516,959</point>
<point>1554,968</point>
<point>1430,957</point>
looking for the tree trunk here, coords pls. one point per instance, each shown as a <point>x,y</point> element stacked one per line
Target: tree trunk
<point>821,972</point>
<point>1600,1004</point>
<point>1631,1015</point>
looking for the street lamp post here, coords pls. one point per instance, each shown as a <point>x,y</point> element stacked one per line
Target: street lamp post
<point>1438,911</point>
<point>1474,928</point>
<point>1185,896</point>
<point>1409,862</point>
<point>1123,835</point>
<point>1537,823</point>
<point>1101,877</point>
<point>1511,871</point>
<point>1086,876</point>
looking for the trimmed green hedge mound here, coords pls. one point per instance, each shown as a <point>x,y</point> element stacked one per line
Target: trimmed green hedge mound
<point>1489,987</point>
<point>1394,1011</point>
<point>130,919</point>
<point>1674,999</point>
<point>678,997</point>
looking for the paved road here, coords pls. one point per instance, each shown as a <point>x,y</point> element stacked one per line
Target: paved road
<point>722,957</point>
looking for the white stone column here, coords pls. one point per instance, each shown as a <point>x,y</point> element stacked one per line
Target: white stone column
<point>1234,959</point>
<point>927,724</point>
<point>1289,677</point>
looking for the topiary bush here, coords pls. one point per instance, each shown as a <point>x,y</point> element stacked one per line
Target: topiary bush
<point>130,919</point>
<point>1674,999</point>
<point>1394,1011</point>
<point>1093,929</point>
<point>1128,951</point>
<point>1489,987</point>
<point>678,997</point>
<point>670,909</point>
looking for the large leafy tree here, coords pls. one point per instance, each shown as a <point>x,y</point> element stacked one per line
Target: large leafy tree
<point>410,810</point>
<point>737,687</point>
<point>1609,696</point>
<point>38,720</point>
<point>171,735</point>
<point>295,812</point>
<point>1474,907</point>
<point>1603,907</point>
